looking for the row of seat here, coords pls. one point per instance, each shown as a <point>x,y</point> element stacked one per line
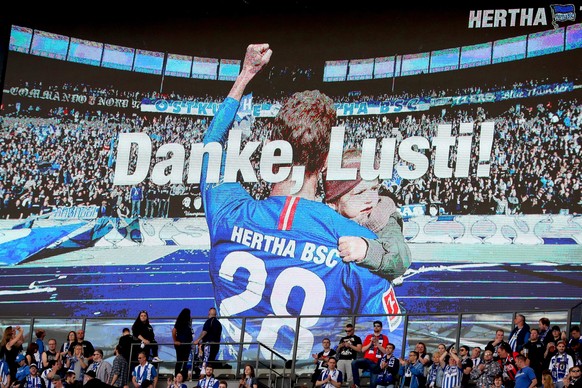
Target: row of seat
<point>304,380</point>
<point>301,381</point>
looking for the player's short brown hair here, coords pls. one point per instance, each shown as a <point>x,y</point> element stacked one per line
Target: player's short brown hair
<point>305,121</point>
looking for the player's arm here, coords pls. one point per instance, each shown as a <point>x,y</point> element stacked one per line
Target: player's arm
<point>256,57</point>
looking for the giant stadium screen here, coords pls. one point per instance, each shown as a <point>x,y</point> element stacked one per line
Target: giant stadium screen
<point>137,174</point>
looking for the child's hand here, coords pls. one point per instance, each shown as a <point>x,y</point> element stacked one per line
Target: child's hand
<point>352,248</point>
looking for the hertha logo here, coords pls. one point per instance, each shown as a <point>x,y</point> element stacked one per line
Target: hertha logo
<point>562,13</point>
<point>392,308</point>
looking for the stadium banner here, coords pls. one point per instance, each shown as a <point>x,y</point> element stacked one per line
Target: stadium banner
<point>75,212</point>
<point>434,172</point>
<point>79,98</point>
<point>540,90</point>
<point>270,110</point>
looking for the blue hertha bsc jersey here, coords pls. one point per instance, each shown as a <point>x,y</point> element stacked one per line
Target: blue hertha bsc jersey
<point>278,258</point>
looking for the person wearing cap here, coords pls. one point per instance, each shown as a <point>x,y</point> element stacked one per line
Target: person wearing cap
<point>359,200</point>
<point>555,335</point>
<point>33,380</point>
<point>23,370</point>
<point>92,381</point>
<point>560,364</point>
<point>90,374</point>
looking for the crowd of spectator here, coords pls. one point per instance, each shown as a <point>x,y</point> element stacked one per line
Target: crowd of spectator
<point>76,362</point>
<point>535,164</point>
<point>66,157</point>
<point>541,355</point>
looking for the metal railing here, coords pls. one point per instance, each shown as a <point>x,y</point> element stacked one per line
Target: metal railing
<point>275,366</point>
<point>472,328</point>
